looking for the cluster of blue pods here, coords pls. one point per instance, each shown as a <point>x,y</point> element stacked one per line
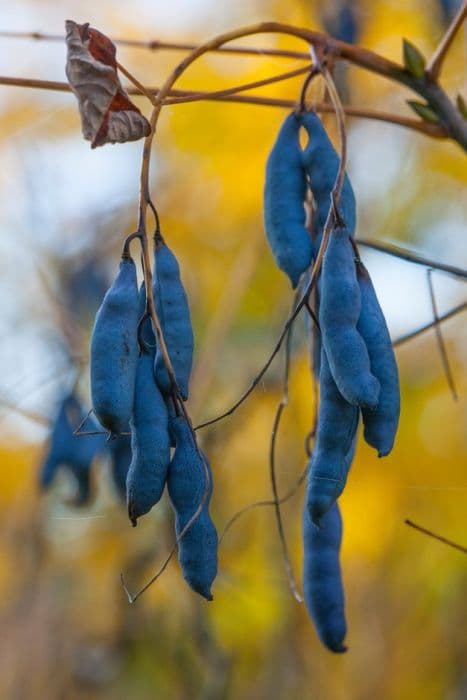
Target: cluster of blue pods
<point>354,358</point>
<point>150,439</point>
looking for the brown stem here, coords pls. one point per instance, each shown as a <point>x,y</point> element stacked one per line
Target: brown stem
<point>413,334</point>
<point>439,337</point>
<point>435,63</point>
<point>272,463</point>
<point>315,270</point>
<point>426,128</point>
<point>435,536</point>
<point>138,86</point>
<point>195,97</point>
<point>157,45</point>
<point>408,255</point>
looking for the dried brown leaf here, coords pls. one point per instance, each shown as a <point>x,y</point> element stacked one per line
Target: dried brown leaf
<point>107,113</point>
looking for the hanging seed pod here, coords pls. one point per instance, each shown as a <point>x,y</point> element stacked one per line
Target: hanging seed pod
<point>284,194</point>
<point>339,312</point>
<point>114,351</point>
<point>380,424</point>
<point>334,447</point>
<point>321,164</point>
<point>197,549</point>
<point>150,444</point>
<point>75,453</point>
<point>174,313</point>
<point>322,579</point>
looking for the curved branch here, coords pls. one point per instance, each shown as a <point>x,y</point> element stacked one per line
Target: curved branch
<point>435,63</point>
<point>408,255</point>
<point>413,334</point>
<point>187,96</point>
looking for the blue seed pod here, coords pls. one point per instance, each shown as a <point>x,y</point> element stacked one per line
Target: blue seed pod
<point>150,445</point>
<point>321,164</point>
<point>339,313</point>
<point>114,351</point>
<point>380,424</point>
<point>334,446</point>
<point>186,484</point>
<point>71,452</point>
<point>174,313</point>
<point>120,459</point>
<point>322,580</point>
<point>284,194</point>
<point>341,21</point>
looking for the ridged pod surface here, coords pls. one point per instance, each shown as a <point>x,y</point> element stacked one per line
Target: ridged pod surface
<point>339,312</point>
<point>114,351</point>
<point>150,444</point>
<point>284,194</point>
<point>72,452</point>
<point>334,446</point>
<point>322,580</point>
<point>197,550</point>
<point>174,314</point>
<point>380,424</point>
<point>321,164</point>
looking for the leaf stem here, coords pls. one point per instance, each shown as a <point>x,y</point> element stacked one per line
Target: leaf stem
<point>435,63</point>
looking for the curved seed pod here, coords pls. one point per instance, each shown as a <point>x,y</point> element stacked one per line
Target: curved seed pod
<point>72,452</point>
<point>197,550</point>
<point>284,194</point>
<point>321,164</point>
<point>114,351</point>
<point>322,580</point>
<point>380,424</point>
<point>174,313</point>
<point>150,445</point>
<point>120,459</point>
<point>338,314</point>
<point>334,447</point>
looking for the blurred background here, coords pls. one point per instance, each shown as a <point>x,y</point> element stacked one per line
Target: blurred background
<point>67,629</point>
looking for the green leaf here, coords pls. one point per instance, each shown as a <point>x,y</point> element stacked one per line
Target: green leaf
<point>462,106</point>
<point>414,60</point>
<point>424,111</point>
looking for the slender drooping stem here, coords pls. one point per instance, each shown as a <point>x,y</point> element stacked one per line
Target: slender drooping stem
<point>435,63</point>
<point>430,533</point>
<point>439,337</point>
<point>415,258</point>
<point>427,326</point>
<point>272,462</point>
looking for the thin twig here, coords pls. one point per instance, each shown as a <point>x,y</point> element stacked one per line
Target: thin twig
<point>133,598</point>
<point>435,63</point>
<point>328,228</point>
<point>258,504</point>
<point>157,45</point>
<point>238,278</point>
<point>138,86</point>
<point>440,339</point>
<point>24,412</point>
<point>457,546</point>
<point>272,463</point>
<point>217,94</point>
<point>415,258</point>
<point>413,334</point>
<point>426,128</point>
